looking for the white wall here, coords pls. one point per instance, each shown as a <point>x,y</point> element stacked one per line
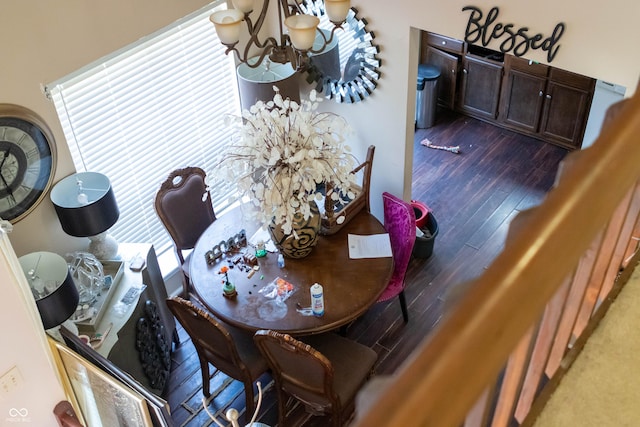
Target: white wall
<point>45,40</point>
<point>24,348</point>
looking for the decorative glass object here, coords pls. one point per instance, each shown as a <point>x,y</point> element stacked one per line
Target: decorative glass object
<point>88,275</point>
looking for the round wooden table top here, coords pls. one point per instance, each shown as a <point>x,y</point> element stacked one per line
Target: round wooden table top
<point>351,286</point>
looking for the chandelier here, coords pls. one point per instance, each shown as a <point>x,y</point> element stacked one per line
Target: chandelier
<point>294,46</point>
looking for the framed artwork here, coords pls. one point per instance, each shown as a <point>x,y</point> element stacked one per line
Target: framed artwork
<point>102,399</point>
<point>158,408</point>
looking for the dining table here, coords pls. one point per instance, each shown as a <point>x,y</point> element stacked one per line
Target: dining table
<point>350,286</point>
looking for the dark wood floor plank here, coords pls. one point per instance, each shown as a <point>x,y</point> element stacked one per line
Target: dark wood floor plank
<point>496,219</point>
<point>184,379</point>
<point>403,339</point>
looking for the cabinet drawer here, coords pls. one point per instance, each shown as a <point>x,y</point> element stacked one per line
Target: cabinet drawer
<point>568,78</point>
<point>531,68</point>
<point>445,43</point>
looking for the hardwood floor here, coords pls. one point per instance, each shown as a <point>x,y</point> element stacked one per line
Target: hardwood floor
<point>473,195</point>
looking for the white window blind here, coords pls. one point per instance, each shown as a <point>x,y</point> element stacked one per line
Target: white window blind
<point>146,110</point>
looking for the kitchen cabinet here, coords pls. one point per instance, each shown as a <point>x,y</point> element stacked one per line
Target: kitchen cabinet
<point>480,86</point>
<point>567,101</point>
<point>523,94</point>
<point>444,53</point>
<point>535,99</point>
<point>545,102</point>
<point>448,66</point>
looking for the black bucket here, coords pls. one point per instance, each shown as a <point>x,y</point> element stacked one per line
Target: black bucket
<point>423,247</point>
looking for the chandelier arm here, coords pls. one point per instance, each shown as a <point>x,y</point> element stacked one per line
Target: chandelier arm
<point>261,17</point>
<point>268,44</point>
<point>296,57</point>
<point>291,7</point>
<point>283,9</point>
<point>232,48</point>
<point>254,29</point>
<point>267,47</point>
<point>247,20</point>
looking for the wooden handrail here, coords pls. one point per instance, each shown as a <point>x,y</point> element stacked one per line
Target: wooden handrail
<point>446,374</point>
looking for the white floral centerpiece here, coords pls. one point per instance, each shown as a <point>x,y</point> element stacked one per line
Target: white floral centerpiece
<point>281,152</point>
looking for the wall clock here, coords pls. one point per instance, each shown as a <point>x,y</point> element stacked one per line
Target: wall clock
<point>27,161</point>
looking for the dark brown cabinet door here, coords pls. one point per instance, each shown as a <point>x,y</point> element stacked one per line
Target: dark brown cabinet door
<point>480,87</point>
<point>523,93</point>
<point>448,66</point>
<point>545,102</point>
<point>565,114</point>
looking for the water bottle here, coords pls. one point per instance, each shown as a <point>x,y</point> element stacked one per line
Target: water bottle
<point>317,300</point>
<point>280,261</point>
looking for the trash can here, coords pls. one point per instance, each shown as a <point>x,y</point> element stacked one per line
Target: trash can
<point>428,230</point>
<point>427,95</point>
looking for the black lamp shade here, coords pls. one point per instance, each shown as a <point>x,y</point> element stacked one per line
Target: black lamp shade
<point>256,84</point>
<point>85,219</point>
<point>58,306</point>
<point>57,302</point>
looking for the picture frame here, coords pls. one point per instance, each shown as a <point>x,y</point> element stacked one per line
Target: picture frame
<point>101,399</point>
<point>158,408</point>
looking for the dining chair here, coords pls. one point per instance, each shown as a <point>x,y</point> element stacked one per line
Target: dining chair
<point>183,204</point>
<point>324,373</point>
<point>333,209</point>
<point>400,223</point>
<point>230,350</point>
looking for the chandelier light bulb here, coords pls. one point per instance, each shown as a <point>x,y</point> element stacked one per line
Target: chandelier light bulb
<point>337,10</point>
<point>227,23</point>
<point>244,6</point>
<point>302,30</point>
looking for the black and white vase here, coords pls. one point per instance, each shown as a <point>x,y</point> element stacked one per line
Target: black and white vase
<point>306,229</point>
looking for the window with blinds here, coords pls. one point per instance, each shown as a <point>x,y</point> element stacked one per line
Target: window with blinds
<point>146,110</point>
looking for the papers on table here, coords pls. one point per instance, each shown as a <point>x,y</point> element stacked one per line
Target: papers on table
<point>371,246</point>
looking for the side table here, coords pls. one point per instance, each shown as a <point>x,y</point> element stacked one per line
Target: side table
<point>142,332</point>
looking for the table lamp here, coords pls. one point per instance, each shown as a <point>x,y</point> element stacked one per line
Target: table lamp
<point>52,286</point>
<point>86,207</point>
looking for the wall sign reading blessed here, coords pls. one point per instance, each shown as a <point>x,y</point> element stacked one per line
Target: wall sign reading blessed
<point>516,40</point>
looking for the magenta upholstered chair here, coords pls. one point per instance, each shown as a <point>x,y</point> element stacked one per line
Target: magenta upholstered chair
<point>400,223</point>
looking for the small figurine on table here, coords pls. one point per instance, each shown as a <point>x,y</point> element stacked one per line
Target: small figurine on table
<point>228,289</point>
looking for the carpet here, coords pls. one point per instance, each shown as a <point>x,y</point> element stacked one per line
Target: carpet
<point>602,386</point>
